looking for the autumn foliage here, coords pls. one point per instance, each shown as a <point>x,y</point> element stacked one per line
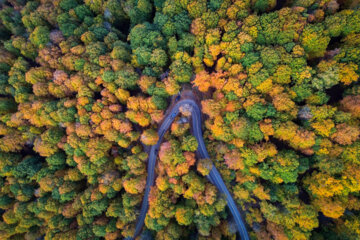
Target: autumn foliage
<point>85,85</point>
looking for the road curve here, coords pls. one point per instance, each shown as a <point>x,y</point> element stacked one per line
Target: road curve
<point>214,176</point>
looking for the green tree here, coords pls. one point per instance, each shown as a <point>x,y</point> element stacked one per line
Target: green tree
<point>314,40</point>
<point>189,143</point>
<point>184,215</point>
<point>40,36</point>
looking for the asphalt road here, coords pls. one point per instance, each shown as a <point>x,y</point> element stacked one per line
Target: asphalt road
<point>214,176</point>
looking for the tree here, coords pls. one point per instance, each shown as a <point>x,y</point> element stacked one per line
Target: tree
<point>58,158</point>
<point>138,11</point>
<point>211,107</point>
<point>204,166</point>
<point>184,215</point>
<point>180,69</point>
<point>11,20</point>
<point>345,134</point>
<point>40,36</point>
<point>149,137</point>
<point>127,78</point>
<point>350,104</point>
<point>234,160</point>
<point>189,144</point>
<point>284,167</point>
<point>314,40</point>
<point>7,105</point>
<point>263,5</point>
<point>28,167</point>
<point>121,51</point>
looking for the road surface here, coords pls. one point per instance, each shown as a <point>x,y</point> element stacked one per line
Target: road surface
<point>214,176</point>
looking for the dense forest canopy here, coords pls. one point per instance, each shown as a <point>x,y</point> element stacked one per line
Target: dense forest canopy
<point>84,86</point>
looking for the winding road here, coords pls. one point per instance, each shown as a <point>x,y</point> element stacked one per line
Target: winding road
<point>214,176</point>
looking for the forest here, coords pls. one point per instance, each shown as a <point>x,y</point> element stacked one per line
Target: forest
<point>85,85</point>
